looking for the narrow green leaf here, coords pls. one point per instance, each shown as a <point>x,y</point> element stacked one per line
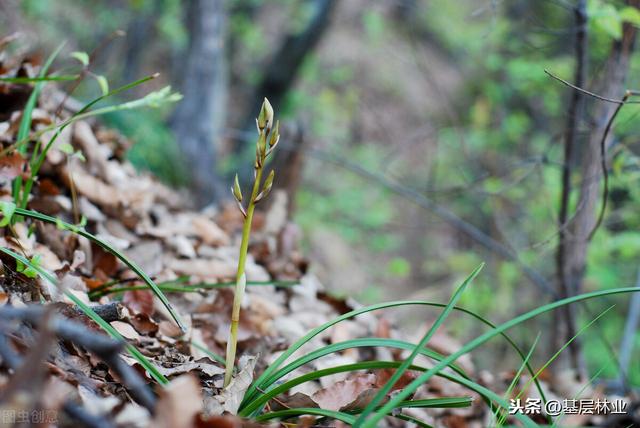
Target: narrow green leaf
<point>268,373</point>
<point>386,388</point>
<point>411,419</point>
<point>25,122</point>
<point>563,347</point>
<point>352,344</point>
<point>488,395</point>
<point>20,142</point>
<point>410,389</point>
<point>144,362</point>
<point>37,161</point>
<point>111,249</point>
<point>257,401</point>
<point>516,378</point>
<point>28,80</point>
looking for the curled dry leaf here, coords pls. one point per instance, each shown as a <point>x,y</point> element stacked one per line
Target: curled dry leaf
<point>209,232</point>
<point>96,190</point>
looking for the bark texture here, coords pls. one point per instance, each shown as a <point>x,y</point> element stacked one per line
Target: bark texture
<point>198,119</point>
<point>579,228</point>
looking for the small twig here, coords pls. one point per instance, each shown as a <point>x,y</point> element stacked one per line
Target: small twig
<point>109,312</point>
<point>603,160</point>
<point>592,94</point>
<point>280,402</point>
<point>85,70</point>
<point>84,417</point>
<point>440,211</point>
<point>12,360</point>
<point>104,347</point>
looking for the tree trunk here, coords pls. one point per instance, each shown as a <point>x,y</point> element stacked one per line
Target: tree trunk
<point>579,228</point>
<point>281,72</point>
<point>564,318</point>
<point>198,119</point>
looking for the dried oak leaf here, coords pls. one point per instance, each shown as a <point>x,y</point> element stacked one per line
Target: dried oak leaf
<point>105,264</point>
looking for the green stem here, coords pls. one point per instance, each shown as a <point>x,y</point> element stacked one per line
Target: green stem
<point>240,280</point>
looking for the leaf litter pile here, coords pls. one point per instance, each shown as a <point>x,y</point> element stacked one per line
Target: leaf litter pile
<point>60,368</point>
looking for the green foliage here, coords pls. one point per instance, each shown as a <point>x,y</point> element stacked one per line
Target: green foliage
<point>608,18</point>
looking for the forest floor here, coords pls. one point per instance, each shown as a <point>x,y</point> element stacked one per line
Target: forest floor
<point>59,369</point>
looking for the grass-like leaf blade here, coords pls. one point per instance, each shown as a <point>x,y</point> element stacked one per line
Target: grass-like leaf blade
<point>480,340</point>
<point>110,248</point>
<point>144,362</point>
<point>386,388</point>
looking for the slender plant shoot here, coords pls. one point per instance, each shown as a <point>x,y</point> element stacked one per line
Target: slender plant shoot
<point>268,137</point>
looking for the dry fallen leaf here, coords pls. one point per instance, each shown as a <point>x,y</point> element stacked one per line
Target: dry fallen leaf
<point>203,366</point>
<point>144,324</point>
<point>231,397</point>
<point>11,166</point>
<point>126,330</point>
<point>342,393</point>
<point>139,301</point>
<point>179,403</point>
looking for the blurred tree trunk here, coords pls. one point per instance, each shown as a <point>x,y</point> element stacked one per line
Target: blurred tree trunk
<point>197,120</point>
<point>580,227</point>
<point>281,72</point>
<point>564,318</point>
